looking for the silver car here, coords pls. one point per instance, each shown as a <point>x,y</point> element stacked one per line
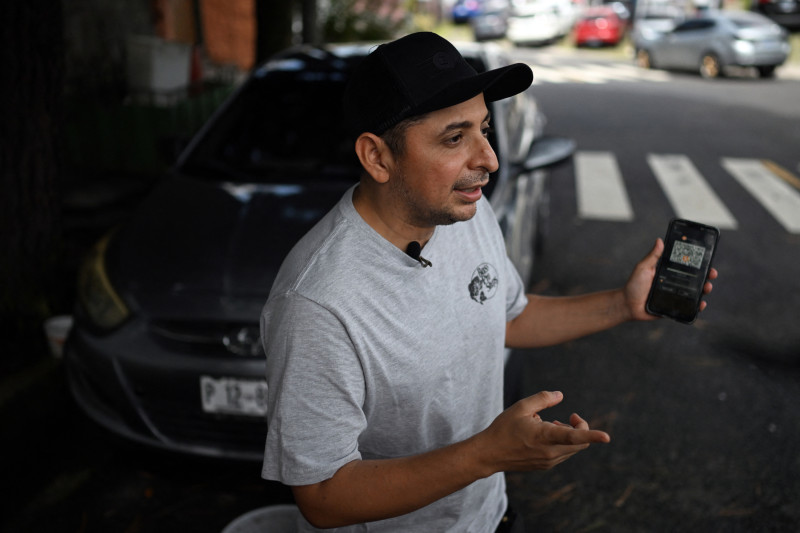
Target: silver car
<point>165,349</point>
<point>714,41</point>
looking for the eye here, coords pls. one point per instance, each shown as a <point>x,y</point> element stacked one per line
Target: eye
<point>487,130</point>
<point>455,139</point>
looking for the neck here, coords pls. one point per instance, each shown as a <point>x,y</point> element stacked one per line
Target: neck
<point>381,216</point>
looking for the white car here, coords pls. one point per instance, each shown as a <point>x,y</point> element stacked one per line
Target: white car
<point>537,22</point>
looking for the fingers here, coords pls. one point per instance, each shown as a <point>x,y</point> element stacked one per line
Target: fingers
<point>592,434</point>
<point>576,433</point>
<point>655,254</point>
<point>708,286</point>
<point>520,440</point>
<point>540,401</point>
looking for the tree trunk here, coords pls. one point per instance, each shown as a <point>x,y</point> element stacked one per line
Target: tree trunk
<point>310,33</point>
<point>273,27</point>
<point>31,44</point>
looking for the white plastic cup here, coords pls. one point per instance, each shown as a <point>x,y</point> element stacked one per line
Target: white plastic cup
<point>56,329</point>
<point>270,519</point>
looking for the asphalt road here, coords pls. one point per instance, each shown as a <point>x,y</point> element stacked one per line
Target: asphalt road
<point>703,418</point>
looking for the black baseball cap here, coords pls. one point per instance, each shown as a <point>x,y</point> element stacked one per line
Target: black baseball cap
<point>417,74</point>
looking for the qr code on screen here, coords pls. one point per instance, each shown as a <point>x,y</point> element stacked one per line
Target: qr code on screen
<point>687,254</point>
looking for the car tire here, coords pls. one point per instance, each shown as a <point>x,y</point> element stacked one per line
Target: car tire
<point>644,59</point>
<point>766,71</point>
<point>710,66</point>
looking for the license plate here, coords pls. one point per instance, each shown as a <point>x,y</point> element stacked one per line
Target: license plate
<point>233,396</point>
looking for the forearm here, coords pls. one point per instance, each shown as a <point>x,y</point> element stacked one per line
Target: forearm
<point>517,439</point>
<point>547,321</point>
<point>368,490</point>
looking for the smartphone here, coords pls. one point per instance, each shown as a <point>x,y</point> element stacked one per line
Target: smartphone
<point>682,270</point>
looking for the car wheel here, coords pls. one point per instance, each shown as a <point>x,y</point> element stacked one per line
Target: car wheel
<point>710,66</point>
<point>766,72</point>
<point>644,59</point>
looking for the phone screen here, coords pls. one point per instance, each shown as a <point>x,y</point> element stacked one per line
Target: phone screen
<point>682,270</point>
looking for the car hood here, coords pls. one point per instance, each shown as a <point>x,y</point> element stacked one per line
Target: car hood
<point>203,250</point>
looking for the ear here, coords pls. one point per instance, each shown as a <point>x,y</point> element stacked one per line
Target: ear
<point>375,156</point>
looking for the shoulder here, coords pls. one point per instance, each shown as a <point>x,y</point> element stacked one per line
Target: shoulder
<point>311,256</point>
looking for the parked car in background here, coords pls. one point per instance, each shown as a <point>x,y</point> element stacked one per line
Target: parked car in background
<point>165,349</point>
<point>653,18</point>
<point>599,26</point>
<point>622,9</point>
<point>464,10</point>
<point>785,13</point>
<point>491,23</point>
<point>538,22</point>
<point>716,40</point>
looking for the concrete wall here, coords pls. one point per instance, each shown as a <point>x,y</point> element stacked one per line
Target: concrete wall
<point>96,32</point>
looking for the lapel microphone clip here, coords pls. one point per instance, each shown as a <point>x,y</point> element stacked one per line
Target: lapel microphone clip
<point>413,251</point>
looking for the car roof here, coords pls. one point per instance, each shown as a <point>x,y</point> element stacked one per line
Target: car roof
<point>362,48</point>
<point>594,11</point>
<point>747,17</point>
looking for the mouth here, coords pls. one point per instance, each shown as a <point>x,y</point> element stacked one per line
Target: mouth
<point>470,193</point>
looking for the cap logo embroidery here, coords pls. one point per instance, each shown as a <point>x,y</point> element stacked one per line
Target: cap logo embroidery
<point>442,60</point>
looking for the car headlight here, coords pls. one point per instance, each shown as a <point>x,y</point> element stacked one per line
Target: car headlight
<point>743,47</point>
<point>103,306</point>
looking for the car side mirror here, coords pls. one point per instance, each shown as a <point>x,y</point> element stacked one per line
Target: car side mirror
<point>548,151</point>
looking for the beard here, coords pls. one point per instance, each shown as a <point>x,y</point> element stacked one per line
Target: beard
<point>422,214</point>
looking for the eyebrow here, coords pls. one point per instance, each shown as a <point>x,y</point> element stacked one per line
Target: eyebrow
<point>464,124</point>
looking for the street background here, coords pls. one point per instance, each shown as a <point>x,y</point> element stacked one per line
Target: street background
<point>703,418</point>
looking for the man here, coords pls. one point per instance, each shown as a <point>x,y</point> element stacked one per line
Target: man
<point>385,367</point>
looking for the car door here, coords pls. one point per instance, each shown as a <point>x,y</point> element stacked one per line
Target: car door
<point>688,41</point>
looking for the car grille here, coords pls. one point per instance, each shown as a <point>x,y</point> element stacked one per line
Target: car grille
<point>236,338</point>
<point>235,435</point>
<point>171,406</point>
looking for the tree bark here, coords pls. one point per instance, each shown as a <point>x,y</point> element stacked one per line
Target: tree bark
<point>273,27</point>
<point>31,47</point>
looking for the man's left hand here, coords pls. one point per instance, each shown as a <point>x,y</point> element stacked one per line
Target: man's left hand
<point>638,286</point>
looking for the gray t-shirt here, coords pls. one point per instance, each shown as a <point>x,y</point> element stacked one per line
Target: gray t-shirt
<point>370,355</point>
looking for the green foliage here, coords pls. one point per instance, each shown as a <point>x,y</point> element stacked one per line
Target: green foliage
<point>361,20</point>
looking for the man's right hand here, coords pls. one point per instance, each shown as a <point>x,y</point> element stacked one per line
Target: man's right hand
<point>376,489</point>
<point>519,440</point>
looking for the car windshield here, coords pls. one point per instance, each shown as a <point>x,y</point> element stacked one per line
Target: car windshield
<point>286,121</point>
<point>285,124</point>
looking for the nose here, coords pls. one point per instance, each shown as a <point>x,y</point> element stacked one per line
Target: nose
<point>485,157</point>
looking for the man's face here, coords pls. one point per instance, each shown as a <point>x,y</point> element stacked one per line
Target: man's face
<point>447,160</point>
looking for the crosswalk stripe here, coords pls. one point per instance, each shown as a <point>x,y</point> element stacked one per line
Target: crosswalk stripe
<point>602,195</point>
<point>621,71</point>
<point>546,74</point>
<point>613,72</point>
<point>582,74</point>
<point>600,189</point>
<point>775,195</point>
<point>547,70</point>
<point>690,195</point>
